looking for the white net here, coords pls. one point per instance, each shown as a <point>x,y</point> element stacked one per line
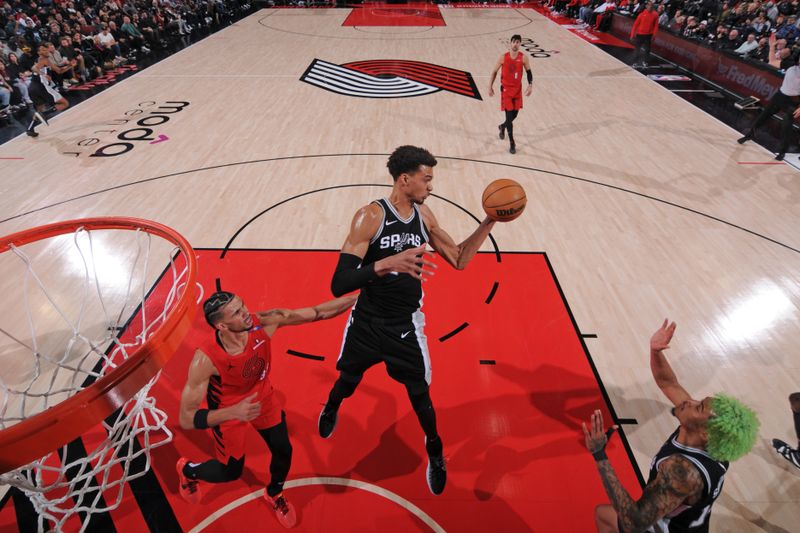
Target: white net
<point>77,306</point>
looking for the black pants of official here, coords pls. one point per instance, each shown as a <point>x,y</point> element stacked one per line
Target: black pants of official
<point>642,44</point>
<point>779,102</point>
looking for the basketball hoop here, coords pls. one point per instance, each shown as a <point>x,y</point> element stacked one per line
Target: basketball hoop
<point>100,331</point>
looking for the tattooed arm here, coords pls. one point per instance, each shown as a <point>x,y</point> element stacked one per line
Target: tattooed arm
<point>677,482</point>
<point>276,318</point>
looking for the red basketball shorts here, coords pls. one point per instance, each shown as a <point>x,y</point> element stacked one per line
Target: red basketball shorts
<point>229,437</point>
<point>511,100</point>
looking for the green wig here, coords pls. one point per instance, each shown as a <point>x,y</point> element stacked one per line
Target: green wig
<point>733,429</point>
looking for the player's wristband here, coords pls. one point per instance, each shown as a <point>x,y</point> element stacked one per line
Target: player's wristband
<point>600,455</point>
<point>201,419</point>
<point>349,277</point>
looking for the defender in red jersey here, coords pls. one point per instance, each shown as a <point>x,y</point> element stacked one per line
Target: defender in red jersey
<point>231,369</point>
<point>511,63</point>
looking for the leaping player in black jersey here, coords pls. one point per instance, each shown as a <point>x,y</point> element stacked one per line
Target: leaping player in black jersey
<point>687,473</point>
<point>384,256</point>
<point>43,93</point>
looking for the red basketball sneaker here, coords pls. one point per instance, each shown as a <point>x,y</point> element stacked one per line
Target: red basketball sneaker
<point>284,511</point>
<point>188,488</point>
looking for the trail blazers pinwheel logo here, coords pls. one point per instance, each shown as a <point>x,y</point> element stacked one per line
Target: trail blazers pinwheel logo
<point>389,78</point>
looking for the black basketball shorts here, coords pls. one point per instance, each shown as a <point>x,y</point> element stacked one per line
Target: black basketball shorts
<point>399,343</point>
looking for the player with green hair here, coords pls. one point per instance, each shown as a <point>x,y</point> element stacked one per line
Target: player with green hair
<point>687,473</point>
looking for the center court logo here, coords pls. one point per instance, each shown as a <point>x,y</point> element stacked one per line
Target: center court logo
<point>389,78</point>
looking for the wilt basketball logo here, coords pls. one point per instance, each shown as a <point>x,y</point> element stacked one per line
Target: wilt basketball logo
<point>389,78</point>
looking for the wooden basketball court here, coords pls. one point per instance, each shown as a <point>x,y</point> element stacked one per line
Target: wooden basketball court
<point>643,206</point>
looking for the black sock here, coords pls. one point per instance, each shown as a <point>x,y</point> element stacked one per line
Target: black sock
<point>427,419</point>
<point>274,488</point>
<point>796,416</point>
<point>214,471</point>
<point>510,116</point>
<point>434,447</point>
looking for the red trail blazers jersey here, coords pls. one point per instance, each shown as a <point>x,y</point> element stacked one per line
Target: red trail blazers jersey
<point>240,375</point>
<point>511,77</point>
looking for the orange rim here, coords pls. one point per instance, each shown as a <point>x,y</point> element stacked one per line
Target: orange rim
<point>44,432</point>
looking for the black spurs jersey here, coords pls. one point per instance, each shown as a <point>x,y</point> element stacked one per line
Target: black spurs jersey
<point>695,518</point>
<point>393,295</point>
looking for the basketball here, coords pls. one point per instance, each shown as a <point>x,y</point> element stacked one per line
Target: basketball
<point>504,200</point>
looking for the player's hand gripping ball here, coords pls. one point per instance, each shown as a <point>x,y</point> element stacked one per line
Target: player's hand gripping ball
<point>504,200</point>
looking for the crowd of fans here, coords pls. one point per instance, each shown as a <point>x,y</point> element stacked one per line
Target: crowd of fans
<point>761,31</point>
<point>87,38</point>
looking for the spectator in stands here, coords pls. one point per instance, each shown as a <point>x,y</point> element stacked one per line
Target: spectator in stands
<point>149,29</point>
<point>133,35</point>
<point>572,8</point>
<point>585,12</point>
<point>663,16</point>
<point>5,91</point>
<point>120,38</point>
<point>644,29</point>
<point>692,28</point>
<point>61,69</point>
<point>732,42</point>
<point>748,46</point>
<point>788,30</point>
<point>772,11</point>
<point>108,47</point>
<point>608,5</point>
<point>785,7</point>
<point>724,14</point>
<point>75,58</point>
<point>702,33</point>
<point>19,78</point>
<point>761,53</point>
<point>675,24</point>
<point>761,25</point>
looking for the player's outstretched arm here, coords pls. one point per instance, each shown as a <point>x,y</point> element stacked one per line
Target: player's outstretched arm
<point>458,255</point>
<point>351,275</point>
<point>276,318</point>
<point>665,377</point>
<point>192,416</point>
<point>677,481</point>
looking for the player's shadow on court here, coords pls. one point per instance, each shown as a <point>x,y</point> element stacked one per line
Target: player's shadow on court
<point>380,410</point>
<point>353,448</point>
<point>549,412</point>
